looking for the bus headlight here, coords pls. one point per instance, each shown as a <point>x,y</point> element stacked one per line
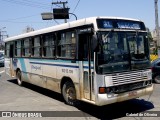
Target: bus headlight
<point>108,80</point>
<point>149,75</point>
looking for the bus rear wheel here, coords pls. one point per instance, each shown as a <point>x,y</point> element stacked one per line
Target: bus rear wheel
<point>69,93</point>
<point>19,79</point>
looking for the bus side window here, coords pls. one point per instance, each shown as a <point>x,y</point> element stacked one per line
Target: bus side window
<point>58,44</point>
<point>66,46</point>
<point>49,45</point>
<point>7,49</point>
<point>26,47</point>
<point>17,48</point>
<point>70,44</point>
<point>36,50</point>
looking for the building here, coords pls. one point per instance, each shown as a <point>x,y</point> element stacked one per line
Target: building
<point>154,34</point>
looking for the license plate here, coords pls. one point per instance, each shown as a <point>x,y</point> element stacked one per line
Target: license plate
<point>132,93</point>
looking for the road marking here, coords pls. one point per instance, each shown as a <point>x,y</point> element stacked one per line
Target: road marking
<point>1,72</point>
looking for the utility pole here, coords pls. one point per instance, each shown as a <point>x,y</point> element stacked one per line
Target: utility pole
<point>157,23</point>
<point>64,6</point>
<point>58,13</point>
<point>2,35</point>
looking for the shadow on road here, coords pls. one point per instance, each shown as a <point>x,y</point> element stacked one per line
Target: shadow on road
<point>112,111</point>
<point>40,90</point>
<point>116,110</point>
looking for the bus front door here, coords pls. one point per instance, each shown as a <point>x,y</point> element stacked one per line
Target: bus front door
<point>86,67</point>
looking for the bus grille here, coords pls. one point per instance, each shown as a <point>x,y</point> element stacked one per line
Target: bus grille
<point>128,77</point>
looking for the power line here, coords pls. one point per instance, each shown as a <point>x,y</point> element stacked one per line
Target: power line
<point>30,4</point>
<point>56,22</point>
<point>31,1</point>
<point>76,6</point>
<point>58,5</point>
<point>21,17</point>
<point>22,22</point>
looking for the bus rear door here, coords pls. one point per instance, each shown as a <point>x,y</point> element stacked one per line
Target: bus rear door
<point>9,69</point>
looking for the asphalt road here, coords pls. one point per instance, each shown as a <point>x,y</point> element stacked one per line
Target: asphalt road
<point>30,98</point>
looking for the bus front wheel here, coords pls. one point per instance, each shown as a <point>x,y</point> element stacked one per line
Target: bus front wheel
<point>19,80</point>
<point>69,93</point>
<point>157,79</point>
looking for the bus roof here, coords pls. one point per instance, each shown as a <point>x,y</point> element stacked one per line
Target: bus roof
<point>84,21</point>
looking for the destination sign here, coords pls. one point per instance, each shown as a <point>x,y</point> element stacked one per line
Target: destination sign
<point>107,24</point>
<point>120,24</point>
<point>128,25</point>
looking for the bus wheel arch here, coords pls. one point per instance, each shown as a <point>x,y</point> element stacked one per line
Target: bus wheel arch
<point>68,91</point>
<point>19,77</point>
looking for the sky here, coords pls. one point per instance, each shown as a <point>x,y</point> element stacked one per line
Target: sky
<point>16,15</point>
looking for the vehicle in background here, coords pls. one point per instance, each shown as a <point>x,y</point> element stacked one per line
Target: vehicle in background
<point>153,57</point>
<point>156,70</point>
<point>1,58</point>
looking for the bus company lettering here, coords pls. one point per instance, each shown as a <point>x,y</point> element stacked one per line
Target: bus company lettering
<point>36,67</point>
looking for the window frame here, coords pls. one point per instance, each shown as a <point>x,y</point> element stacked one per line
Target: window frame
<point>62,41</point>
<point>51,44</point>
<point>24,48</point>
<point>7,49</point>
<point>16,48</point>
<point>33,47</point>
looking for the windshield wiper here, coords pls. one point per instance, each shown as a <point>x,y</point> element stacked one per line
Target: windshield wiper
<point>106,36</point>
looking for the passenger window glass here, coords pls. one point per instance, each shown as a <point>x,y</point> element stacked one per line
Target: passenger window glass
<point>26,47</point>
<point>18,48</point>
<point>49,45</point>
<point>7,48</point>
<point>66,45</point>
<point>37,42</point>
<point>36,50</point>
<point>26,43</point>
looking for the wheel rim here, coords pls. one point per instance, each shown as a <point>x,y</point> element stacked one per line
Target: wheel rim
<point>70,92</point>
<point>19,79</point>
<point>157,78</point>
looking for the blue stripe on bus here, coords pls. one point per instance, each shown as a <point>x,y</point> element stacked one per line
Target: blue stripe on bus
<point>71,66</point>
<point>87,67</point>
<point>60,65</point>
<point>22,64</point>
<point>66,61</point>
<point>23,67</point>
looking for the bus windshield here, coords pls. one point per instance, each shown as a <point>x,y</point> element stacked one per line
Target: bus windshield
<point>122,51</point>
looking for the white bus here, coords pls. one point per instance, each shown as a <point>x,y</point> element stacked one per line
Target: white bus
<point>99,60</point>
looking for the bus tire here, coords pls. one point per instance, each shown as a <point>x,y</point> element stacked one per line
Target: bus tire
<point>157,79</point>
<point>19,79</point>
<point>69,93</point>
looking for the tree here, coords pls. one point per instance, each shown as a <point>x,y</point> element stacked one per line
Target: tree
<point>28,29</point>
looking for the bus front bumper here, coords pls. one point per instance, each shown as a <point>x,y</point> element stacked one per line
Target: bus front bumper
<point>104,99</point>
